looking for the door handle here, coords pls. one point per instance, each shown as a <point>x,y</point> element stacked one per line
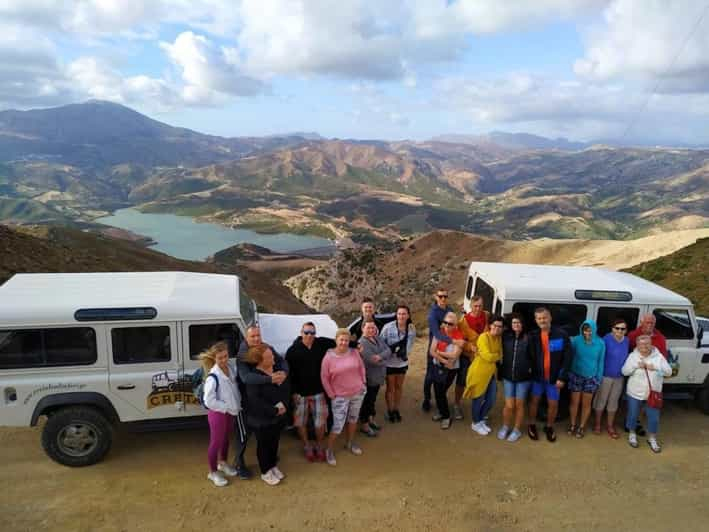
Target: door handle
<point>126,386</point>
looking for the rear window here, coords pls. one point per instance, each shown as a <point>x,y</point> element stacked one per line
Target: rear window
<point>567,316</point>
<point>140,345</point>
<point>485,291</point>
<point>203,336</point>
<point>607,315</point>
<point>33,348</point>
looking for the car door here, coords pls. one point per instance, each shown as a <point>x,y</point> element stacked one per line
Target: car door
<point>676,324</point>
<point>144,368</point>
<point>196,337</point>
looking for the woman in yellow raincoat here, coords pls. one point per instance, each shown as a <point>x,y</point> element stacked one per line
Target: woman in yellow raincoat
<point>480,384</point>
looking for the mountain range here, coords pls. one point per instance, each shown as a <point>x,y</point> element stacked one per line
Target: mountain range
<point>73,163</point>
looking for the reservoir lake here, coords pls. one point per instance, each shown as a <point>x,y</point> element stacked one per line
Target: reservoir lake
<point>182,237</point>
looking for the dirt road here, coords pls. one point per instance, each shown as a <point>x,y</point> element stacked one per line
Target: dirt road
<point>413,477</point>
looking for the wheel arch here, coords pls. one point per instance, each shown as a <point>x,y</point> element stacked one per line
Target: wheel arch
<point>51,403</point>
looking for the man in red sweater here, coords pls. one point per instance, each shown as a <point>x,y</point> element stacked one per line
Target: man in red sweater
<point>647,327</point>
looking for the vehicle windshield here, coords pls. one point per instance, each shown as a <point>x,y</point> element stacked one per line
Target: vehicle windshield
<point>246,307</point>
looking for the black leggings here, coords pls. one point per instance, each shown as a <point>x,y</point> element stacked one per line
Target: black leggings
<point>368,404</point>
<point>440,388</point>
<point>267,440</point>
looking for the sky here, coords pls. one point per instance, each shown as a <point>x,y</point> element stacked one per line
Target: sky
<point>629,70</point>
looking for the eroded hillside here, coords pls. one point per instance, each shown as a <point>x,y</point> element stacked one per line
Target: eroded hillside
<point>412,271</point>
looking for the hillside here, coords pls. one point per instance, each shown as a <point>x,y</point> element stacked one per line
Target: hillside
<point>82,160</point>
<point>412,271</point>
<point>56,249</point>
<point>685,271</point>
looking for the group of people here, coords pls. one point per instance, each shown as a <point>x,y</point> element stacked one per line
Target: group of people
<point>326,387</point>
<point>477,348</point>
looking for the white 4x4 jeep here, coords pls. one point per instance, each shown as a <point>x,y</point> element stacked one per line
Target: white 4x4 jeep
<point>91,350</point>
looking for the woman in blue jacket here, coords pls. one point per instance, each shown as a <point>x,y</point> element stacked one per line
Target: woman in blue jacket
<point>585,374</point>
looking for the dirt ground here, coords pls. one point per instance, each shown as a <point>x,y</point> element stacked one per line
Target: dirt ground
<point>412,477</point>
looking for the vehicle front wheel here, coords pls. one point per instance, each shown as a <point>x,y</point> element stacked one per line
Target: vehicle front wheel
<point>702,398</point>
<point>77,436</point>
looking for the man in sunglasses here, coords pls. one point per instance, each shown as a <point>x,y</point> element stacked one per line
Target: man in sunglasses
<point>304,358</point>
<point>611,388</point>
<point>436,314</point>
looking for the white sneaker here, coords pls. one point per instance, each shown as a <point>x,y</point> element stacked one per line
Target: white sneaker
<point>269,478</point>
<point>486,426</point>
<point>330,457</point>
<point>227,469</point>
<point>633,440</point>
<point>278,473</point>
<point>478,428</point>
<point>217,478</point>
<point>652,442</point>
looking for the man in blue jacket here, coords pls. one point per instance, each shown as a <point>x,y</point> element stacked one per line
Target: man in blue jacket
<point>436,313</point>
<point>551,359</point>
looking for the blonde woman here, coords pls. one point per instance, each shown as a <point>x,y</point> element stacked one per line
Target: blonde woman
<point>222,398</point>
<point>343,378</point>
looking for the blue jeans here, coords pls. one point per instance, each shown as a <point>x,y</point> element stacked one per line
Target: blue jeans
<point>483,404</point>
<point>652,414</point>
<point>516,390</point>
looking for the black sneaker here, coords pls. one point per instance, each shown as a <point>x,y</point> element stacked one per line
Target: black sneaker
<point>426,405</point>
<point>532,432</point>
<point>243,472</point>
<point>391,417</point>
<point>551,434</point>
<point>397,415</point>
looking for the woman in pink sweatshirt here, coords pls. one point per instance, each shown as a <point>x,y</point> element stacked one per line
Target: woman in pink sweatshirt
<point>343,378</point>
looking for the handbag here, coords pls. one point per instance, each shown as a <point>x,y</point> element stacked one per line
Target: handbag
<point>654,399</point>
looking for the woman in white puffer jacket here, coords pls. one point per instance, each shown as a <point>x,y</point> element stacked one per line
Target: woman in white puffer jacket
<point>644,364</point>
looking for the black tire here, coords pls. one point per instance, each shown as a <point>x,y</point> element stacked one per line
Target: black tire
<point>77,436</point>
<point>702,398</point>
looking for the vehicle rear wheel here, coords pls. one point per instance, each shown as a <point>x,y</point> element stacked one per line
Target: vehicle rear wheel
<point>702,398</point>
<point>77,436</point>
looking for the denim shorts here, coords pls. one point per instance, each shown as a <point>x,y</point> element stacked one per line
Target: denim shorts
<point>516,390</point>
<point>541,388</point>
<point>578,383</point>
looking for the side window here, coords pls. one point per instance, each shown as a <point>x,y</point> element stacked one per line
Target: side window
<point>674,323</point>
<point>606,316</point>
<point>568,317</point>
<point>28,348</point>
<point>246,307</point>
<point>485,290</point>
<point>203,336</point>
<point>469,288</point>
<point>134,345</point>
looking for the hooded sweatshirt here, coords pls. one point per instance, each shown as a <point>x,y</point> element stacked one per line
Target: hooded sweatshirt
<point>304,364</point>
<point>589,358</point>
<point>638,385</point>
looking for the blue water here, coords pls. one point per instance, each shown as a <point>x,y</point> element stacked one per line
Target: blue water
<point>182,237</point>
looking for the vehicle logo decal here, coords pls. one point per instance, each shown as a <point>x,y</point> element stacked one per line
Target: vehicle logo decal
<point>168,388</point>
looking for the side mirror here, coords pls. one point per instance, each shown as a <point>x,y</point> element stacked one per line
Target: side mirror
<point>700,336</point>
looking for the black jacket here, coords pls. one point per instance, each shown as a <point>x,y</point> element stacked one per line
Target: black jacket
<point>560,354</point>
<point>517,362</point>
<point>247,374</point>
<point>304,365</point>
<point>356,326</point>
<point>262,400</point>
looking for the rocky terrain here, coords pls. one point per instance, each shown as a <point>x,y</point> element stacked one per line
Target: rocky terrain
<point>412,271</point>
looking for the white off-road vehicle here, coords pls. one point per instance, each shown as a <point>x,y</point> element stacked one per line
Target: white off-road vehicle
<point>574,294</point>
<point>92,350</point>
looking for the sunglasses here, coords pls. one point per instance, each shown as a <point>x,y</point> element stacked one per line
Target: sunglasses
<point>442,296</point>
<point>309,332</point>
<point>448,323</point>
<point>620,329</point>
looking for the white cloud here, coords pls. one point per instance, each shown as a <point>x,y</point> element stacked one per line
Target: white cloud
<point>640,39</point>
<point>211,74</point>
<point>95,79</point>
<point>581,110</point>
